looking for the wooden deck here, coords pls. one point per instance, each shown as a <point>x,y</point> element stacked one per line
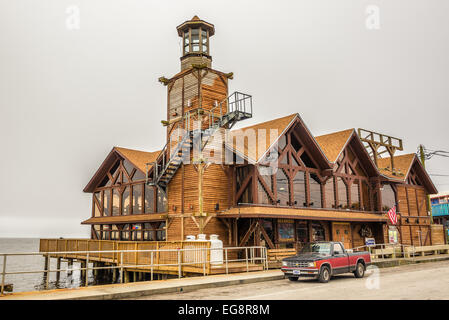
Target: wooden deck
<point>164,262</point>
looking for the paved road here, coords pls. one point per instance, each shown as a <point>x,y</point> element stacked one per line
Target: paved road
<point>418,281</point>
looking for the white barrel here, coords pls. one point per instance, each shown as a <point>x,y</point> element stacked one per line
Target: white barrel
<point>216,250</point>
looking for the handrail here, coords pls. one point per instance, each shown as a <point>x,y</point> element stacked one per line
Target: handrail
<point>201,261</point>
<point>384,246</point>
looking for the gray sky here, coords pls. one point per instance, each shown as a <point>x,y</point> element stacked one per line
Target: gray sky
<point>67,96</point>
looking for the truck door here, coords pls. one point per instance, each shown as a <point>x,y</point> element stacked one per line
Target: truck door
<point>339,260</point>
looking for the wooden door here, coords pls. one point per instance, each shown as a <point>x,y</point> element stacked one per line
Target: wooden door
<point>342,232</point>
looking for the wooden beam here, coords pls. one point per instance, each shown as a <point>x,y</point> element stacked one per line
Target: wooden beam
<point>248,233</point>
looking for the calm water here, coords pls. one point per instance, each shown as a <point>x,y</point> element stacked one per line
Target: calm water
<point>34,281</point>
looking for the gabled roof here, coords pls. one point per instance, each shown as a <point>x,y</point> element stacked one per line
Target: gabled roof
<point>136,157</point>
<point>250,149</point>
<point>333,144</point>
<point>403,164</point>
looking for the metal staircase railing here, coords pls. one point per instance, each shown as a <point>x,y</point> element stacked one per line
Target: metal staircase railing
<point>238,106</point>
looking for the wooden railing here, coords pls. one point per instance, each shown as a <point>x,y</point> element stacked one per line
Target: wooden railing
<point>143,253</point>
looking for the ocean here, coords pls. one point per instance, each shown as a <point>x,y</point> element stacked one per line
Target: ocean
<point>34,281</point>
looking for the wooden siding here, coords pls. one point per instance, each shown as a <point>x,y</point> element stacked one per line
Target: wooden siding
<point>437,234</point>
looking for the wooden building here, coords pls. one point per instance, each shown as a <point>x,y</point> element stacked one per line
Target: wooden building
<point>325,187</point>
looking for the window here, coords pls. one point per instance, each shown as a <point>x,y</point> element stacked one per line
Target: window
<point>299,189</point>
<point>342,194</point>
<point>160,234</point>
<point>115,202</point>
<point>268,227</point>
<point>338,249</point>
<point>161,201</point>
<point>315,191</point>
<point>330,193</point>
<point>388,197</point>
<point>282,142</point>
<point>114,169</point>
<point>114,233</point>
<point>186,42</point>
<point>318,233</point>
<point>107,202</point>
<point>285,158</point>
<point>262,195</point>
<point>282,187</point>
<point>204,41</point>
<point>97,231</point>
<point>286,230</point>
<point>97,197</point>
<point>355,195</point>
<point>195,37</point>
<point>295,143</point>
<point>365,196</point>
<point>302,234</point>
<point>138,175</point>
<point>149,199</point>
<point>307,161</point>
<point>125,232</point>
<point>241,174</point>
<point>126,202</point>
<point>137,199</point>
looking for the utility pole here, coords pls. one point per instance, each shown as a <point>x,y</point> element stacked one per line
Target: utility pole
<point>423,159</point>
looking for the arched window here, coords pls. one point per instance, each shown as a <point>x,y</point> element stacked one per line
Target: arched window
<point>315,191</point>
<point>299,189</point>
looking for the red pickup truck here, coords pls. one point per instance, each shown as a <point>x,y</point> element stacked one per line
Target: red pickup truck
<point>324,259</point>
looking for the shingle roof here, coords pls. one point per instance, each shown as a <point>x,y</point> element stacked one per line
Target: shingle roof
<point>333,143</point>
<point>138,158</point>
<point>402,164</point>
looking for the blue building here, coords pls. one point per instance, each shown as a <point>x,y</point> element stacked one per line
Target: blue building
<point>440,208</point>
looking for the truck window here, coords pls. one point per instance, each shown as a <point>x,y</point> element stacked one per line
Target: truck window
<point>338,248</point>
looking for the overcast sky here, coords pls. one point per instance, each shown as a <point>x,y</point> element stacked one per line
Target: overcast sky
<point>69,94</point>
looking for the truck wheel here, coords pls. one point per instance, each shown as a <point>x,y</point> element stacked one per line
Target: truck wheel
<point>359,270</point>
<point>325,275</point>
<point>293,278</point>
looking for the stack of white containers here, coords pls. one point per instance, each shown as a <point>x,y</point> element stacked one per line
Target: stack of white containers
<point>196,256</point>
<point>216,252</point>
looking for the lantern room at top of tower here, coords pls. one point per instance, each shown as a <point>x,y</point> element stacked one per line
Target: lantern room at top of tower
<point>195,35</point>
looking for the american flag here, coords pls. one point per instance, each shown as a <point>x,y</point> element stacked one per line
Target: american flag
<point>392,215</point>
